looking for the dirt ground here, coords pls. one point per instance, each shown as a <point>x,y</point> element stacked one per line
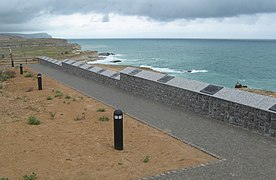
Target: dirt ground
<point>72,143</point>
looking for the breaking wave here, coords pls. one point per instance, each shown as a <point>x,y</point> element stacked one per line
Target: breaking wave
<point>174,71</point>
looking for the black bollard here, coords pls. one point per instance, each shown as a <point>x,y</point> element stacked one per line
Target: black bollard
<point>118,129</point>
<point>12,63</point>
<point>39,81</point>
<point>21,68</point>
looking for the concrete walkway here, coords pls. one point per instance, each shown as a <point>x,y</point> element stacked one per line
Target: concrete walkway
<point>248,155</point>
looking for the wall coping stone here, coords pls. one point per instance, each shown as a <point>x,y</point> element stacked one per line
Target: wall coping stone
<point>69,61</point>
<point>95,69</point>
<point>187,84</point>
<point>108,73</point>
<point>149,75</point>
<point>246,98</point>
<point>85,66</point>
<point>127,70</point>
<point>116,75</point>
<point>79,63</point>
<point>101,71</point>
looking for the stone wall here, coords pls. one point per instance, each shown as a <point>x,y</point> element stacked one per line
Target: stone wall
<point>90,72</point>
<point>50,62</point>
<point>244,109</point>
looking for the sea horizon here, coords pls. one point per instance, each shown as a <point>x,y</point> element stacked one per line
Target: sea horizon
<point>124,38</point>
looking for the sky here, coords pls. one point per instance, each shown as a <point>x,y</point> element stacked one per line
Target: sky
<point>230,19</point>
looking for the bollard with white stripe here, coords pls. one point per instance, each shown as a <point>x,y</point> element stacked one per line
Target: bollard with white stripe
<point>118,130</point>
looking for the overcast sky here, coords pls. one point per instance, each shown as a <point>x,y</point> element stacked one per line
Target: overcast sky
<point>141,18</point>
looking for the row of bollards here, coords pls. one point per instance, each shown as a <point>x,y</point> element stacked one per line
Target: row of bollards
<point>39,77</point>
<point>118,118</point>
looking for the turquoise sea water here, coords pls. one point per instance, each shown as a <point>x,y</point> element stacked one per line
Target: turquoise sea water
<point>221,62</point>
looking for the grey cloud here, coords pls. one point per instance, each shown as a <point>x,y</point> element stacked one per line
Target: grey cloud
<point>165,10</point>
<point>20,11</point>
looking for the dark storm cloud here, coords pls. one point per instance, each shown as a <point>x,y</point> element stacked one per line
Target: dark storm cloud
<point>20,11</point>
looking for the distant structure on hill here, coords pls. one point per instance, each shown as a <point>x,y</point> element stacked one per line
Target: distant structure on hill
<point>27,36</point>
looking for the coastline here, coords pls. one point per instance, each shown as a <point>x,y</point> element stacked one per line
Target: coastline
<point>84,56</point>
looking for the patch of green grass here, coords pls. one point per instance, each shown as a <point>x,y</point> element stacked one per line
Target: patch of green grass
<point>25,71</point>
<point>49,98</point>
<point>103,118</point>
<point>6,74</point>
<point>78,117</point>
<point>4,178</point>
<point>58,94</point>
<point>52,114</point>
<point>101,110</point>
<point>32,120</point>
<point>30,177</point>
<point>28,74</point>
<point>146,159</point>
<point>67,97</point>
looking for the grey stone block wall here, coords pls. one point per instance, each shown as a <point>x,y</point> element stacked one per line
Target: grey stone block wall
<point>90,72</point>
<point>244,109</point>
<point>255,116</point>
<point>49,62</point>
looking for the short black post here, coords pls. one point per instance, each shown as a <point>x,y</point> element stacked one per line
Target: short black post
<point>21,68</point>
<point>39,81</point>
<point>12,63</point>
<point>118,129</point>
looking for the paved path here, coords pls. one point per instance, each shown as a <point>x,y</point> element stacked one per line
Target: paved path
<point>248,155</point>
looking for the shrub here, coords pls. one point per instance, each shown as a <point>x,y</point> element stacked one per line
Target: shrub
<point>52,114</point>
<point>103,118</point>
<point>49,98</point>
<point>28,74</point>
<point>6,74</point>
<point>58,94</point>
<point>4,178</point>
<point>30,177</point>
<point>101,110</point>
<point>146,159</point>
<point>67,97</point>
<point>32,120</point>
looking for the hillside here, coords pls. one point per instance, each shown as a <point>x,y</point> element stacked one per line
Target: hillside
<point>26,47</point>
<point>28,36</point>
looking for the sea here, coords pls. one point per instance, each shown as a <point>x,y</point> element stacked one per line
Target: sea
<point>215,61</point>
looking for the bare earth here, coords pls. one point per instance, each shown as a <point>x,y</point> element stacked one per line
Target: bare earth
<point>74,144</point>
